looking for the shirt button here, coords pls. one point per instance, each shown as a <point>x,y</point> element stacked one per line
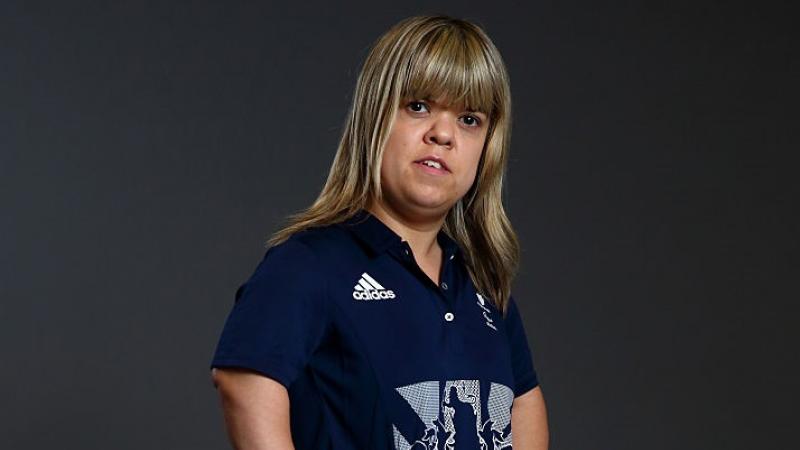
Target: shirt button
<point>449,317</point>
<point>444,285</point>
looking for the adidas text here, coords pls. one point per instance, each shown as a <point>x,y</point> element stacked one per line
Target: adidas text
<point>373,295</point>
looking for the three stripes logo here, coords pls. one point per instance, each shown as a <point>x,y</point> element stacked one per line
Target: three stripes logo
<point>369,289</point>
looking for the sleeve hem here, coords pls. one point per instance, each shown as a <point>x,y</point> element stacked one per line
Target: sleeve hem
<point>282,375</point>
<point>525,384</point>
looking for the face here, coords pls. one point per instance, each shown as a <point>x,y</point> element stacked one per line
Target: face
<point>431,156</point>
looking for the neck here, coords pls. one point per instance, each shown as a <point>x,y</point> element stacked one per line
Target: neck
<point>420,232</point>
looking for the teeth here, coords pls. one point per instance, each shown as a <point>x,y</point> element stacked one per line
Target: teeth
<point>430,163</point>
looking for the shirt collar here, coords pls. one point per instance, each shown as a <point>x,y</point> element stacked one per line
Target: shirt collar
<point>379,237</point>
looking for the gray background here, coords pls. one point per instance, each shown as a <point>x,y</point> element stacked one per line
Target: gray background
<point>147,149</point>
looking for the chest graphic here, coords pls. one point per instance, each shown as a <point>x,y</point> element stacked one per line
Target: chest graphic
<point>457,414</point>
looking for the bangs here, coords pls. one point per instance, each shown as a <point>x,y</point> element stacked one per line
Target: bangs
<point>453,65</point>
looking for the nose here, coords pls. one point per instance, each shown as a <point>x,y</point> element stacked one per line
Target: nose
<point>440,132</point>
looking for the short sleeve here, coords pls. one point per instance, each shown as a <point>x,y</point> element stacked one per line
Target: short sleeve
<point>278,316</point>
<point>525,377</point>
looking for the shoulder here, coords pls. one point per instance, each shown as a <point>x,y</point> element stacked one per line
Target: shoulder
<point>511,307</point>
<point>312,252</point>
<point>320,244</point>
<point>512,318</point>
<point>295,268</point>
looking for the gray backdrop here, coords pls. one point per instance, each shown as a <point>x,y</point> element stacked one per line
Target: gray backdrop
<point>147,149</point>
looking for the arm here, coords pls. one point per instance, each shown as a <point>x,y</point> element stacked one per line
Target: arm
<point>266,343</point>
<point>255,408</point>
<point>529,421</point>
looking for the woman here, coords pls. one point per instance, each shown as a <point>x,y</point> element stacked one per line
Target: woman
<point>381,317</point>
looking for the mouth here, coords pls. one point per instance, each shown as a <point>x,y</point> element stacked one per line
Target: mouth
<point>433,164</point>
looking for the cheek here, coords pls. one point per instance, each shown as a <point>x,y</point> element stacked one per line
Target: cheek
<point>472,172</point>
<point>395,146</point>
<point>392,164</point>
<point>468,181</point>
<point>389,162</point>
<point>474,160</point>
<point>399,148</point>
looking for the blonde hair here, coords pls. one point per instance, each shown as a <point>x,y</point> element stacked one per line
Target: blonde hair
<point>427,57</point>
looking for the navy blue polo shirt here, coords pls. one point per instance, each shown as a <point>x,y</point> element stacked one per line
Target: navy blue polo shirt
<point>373,353</point>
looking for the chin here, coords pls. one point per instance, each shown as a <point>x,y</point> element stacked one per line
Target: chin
<point>431,203</point>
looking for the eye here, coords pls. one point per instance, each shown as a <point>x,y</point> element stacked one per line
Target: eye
<point>417,106</point>
<point>472,121</point>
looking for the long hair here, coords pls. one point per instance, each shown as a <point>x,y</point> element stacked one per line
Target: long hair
<point>427,57</point>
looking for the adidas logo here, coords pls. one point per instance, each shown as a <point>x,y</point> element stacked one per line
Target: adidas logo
<point>369,289</point>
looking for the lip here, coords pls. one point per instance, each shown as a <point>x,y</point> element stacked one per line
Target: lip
<point>433,158</point>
